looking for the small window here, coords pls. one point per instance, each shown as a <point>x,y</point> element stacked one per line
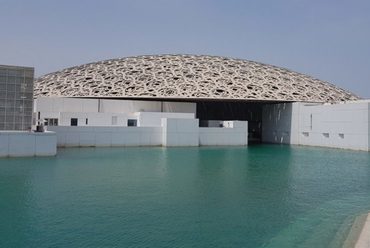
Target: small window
<point>305,134</point>
<point>51,122</point>
<point>341,135</point>
<point>87,121</point>
<point>326,135</point>
<point>132,122</point>
<point>74,121</point>
<point>114,120</point>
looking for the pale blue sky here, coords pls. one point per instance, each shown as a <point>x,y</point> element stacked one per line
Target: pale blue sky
<point>327,39</point>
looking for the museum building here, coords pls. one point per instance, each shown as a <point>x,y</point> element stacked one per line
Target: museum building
<point>279,105</point>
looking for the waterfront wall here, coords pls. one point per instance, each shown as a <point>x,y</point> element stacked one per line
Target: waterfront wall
<point>107,136</point>
<point>339,125</point>
<point>235,133</point>
<point>180,132</point>
<point>330,125</point>
<point>173,132</point>
<point>25,144</point>
<point>154,119</point>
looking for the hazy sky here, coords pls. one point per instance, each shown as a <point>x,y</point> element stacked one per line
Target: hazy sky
<point>327,39</point>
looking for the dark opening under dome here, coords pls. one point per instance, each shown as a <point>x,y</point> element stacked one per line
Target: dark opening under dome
<point>187,77</point>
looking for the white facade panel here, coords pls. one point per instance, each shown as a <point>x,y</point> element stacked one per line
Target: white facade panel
<point>180,132</point>
<point>61,104</point>
<point>94,119</point>
<point>179,107</point>
<point>24,144</point>
<point>154,119</point>
<point>107,112</point>
<point>21,144</point>
<point>129,106</point>
<point>338,125</point>
<point>107,136</point>
<point>234,133</point>
<point>173,132</point>
<point>45,145</point>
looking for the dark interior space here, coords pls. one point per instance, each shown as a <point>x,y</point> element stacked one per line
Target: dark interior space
<point>241,111</point>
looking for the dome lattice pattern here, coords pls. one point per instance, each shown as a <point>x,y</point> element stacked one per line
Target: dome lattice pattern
<point>187,77</point>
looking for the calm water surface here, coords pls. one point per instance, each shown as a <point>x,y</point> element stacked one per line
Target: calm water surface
<point>260,196</point>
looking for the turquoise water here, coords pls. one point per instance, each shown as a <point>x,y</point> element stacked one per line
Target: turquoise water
<point>260,196</point>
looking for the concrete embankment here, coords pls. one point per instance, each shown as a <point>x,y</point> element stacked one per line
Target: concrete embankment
<point>363,240</point>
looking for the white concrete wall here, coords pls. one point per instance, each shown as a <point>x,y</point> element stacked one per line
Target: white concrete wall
<point>174,132</point>
<point>144,119</point>
<point>94,119</point>
<point>234,133</point>
<point>107,136</point>
<point>128,106</point>
<point>100,112</point>
<point>180,132</point>
<point>179,107</point>
<point>154,119</point>
<point>337,125</point>
<point>24,144</point>
<point>64,104</point>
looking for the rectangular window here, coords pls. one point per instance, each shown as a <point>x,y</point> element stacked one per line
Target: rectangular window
<point>87,121</point>
<point>132,122</point>
<point>74,121</point>
<point>51,122</point>
<point>326,135</point>
<point>305,134</point>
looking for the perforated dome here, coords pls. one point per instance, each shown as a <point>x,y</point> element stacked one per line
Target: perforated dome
<point>187,77</point>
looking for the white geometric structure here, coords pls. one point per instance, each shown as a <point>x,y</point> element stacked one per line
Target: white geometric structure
<point>189,78</point>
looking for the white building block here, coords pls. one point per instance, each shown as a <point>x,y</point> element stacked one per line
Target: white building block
<point>46,144</point>
<point>234,133</point>
<point>337,125</point>
<point>180,132</point>
<point>23,144</point>
<point>153,119</point>
<point>108,136</point>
